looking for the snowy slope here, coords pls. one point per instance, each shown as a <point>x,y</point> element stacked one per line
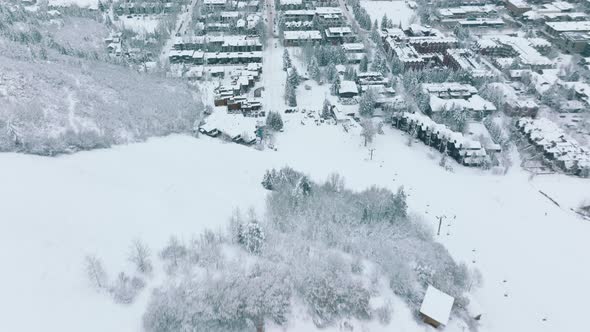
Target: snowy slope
<point>57,210</point>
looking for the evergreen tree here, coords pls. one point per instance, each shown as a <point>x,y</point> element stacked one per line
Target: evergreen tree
<point>303,187</point>
<point>294,77</point>
<point>320,55</point>
<point>379,64</point>
<point>251,237</point>
<point>290,95</point>
<point>335,85</point>
<point>331,72</point>
<point>274,121</point>
<point>384,22</point>
<point>455,117</point>
<point>375,36</point>
<point>399,203</point>
<point>326,110</point>
<point>308,53</point>
<point>314,70</point>
<point>286,60</point>
<point>363,66</point>
<point>397,67</point>
<point>367,103</point>
<point>350,74</point>
<point>422,100</point>
<point>268,180</point>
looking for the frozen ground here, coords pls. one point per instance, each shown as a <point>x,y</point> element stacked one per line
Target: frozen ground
<point>397,11</point>
<point>532,253</point>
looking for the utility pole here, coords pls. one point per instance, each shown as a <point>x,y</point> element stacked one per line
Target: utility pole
<point>440,219</point>
<point>371,151</point>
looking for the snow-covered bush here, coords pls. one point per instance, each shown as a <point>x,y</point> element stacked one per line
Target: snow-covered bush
<point>237,300</point>
<point>331,292</point>
<point>125,289</point>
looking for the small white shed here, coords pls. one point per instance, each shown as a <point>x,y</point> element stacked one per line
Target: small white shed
<point>436,307</point>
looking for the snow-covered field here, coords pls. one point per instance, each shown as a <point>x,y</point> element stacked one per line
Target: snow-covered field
<point>140,24</point>
<point>55,211</point>
<point>93,4</point>
<point>397,11</point>
<point>531,252</point>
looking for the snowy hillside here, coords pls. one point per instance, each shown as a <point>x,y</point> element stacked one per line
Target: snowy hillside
<point>60,107</point>
<point>181,185</point>
<point>59,95</point>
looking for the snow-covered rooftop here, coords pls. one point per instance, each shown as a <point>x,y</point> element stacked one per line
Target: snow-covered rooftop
<point>569,26</point>
<point>299,12</point>
<point>449,87</point>
<point>328,10</point>
<point>214,2</point>
<point>348,87</point>
<point>437,305</point>
<point>302,35</point>
<point>338,31</point>
<point>291,2</point>
<point>353,47</point>
<point>553,140</point>
<point>525,48</point>
<point>474,103</point>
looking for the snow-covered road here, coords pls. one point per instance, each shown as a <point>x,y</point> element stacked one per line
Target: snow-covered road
<point>273,76</point>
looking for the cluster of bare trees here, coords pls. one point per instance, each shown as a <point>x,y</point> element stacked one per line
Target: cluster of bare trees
<point>125,287</point>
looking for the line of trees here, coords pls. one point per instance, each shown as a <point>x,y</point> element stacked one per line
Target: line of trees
<point>360,14</point>
<point>293,81</point>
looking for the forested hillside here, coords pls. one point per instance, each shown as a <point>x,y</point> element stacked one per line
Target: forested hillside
<point>58,96</point>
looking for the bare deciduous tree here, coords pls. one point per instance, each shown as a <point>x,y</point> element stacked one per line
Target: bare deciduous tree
<point>95,272</point>
<point>140,255</point>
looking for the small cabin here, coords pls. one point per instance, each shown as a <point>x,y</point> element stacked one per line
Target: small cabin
<point>436,307</point>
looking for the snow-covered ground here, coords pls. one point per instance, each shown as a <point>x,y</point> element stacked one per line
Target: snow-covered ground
<point>139,23</point>
<point>93,4</point>
<point>57,210</point>
<point>397,11</point>
<point>531,252</point>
